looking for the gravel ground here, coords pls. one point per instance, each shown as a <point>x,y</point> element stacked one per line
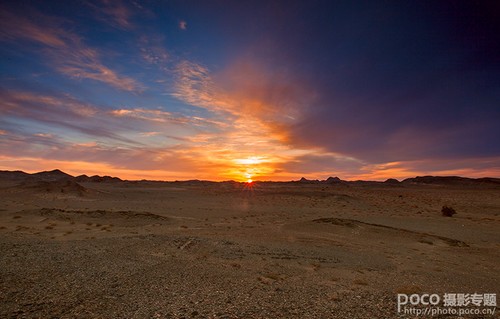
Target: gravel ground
<point>151,277</point>
<point>281,252</point>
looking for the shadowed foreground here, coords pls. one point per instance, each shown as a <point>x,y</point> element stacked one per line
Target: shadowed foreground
<point>114,249</point>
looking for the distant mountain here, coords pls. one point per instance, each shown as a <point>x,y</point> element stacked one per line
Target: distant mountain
<point>391,181</point>
<point>329,180</point>
<point>308,181</point>
<point>97,179</point>
<point>54,175</point>
<point>14,175</point>
<point>333,180</point>
<point>58,175</point>
<point>451,180</point>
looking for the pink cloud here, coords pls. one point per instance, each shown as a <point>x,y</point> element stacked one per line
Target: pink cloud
<point>59,112</point>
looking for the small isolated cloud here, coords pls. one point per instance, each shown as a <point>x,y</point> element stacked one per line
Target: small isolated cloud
<point>183,25</point>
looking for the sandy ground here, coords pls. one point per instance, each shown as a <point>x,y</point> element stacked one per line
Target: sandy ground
<point>194,250</point>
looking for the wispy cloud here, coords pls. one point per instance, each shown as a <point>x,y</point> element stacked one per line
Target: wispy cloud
<point>22,102</point>
<point>194,85</point>
<point>58,111</point>
<point>85,64</point>
<point>149,134</point>
<point>149,115</point>
<point>66,50</point>
<point>113,12</point>
<point>47,31</point>
<point>161,116</point>
<point>244,88</point>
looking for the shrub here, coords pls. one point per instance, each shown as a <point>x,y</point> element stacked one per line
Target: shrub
<point>448,211</point>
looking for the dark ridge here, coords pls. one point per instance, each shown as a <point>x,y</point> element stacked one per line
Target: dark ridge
<point>451,180</point>
<point>81,178</point>
<point>307,181</point>
<point>391,181</point>
<point>97,179</point>
<point>333,180</point>
<point>14,175</point>
<point>56,175</point>
<point>53,175</point>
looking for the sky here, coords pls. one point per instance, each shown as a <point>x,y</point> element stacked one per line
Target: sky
<point>250,90</point>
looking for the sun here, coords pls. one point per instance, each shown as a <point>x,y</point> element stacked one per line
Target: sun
<point>249,184</point>
<point>248,176</point>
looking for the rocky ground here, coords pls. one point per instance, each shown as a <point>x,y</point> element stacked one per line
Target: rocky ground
<point>230,250</point>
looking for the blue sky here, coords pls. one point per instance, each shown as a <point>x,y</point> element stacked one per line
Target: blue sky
<point>262,90</point>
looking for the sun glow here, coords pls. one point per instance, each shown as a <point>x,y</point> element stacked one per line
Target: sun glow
<point>252,160</point>
<point>248,176</point>
<point>248,169</point>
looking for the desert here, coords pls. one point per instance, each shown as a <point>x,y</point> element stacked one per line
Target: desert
<point>89,247</point>
<point>249,159</point>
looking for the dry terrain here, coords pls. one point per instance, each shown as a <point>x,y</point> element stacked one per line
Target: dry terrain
<point>116,249</point>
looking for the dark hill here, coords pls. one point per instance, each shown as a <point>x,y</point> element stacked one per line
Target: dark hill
<point>333,180</point>
<point>391,181</point>
<point>14,175</point>
<point>52,175</point>
<point>451,180</point>
<point>97,179</point>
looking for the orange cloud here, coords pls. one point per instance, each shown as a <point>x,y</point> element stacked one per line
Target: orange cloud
<point>260,106</point>
<point>257,106</point>
<point>147,114</point>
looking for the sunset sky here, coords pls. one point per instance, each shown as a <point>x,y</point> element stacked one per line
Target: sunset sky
<point>261,90</point>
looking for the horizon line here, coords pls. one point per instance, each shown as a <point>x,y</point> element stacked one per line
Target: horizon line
<point>253,181</point>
